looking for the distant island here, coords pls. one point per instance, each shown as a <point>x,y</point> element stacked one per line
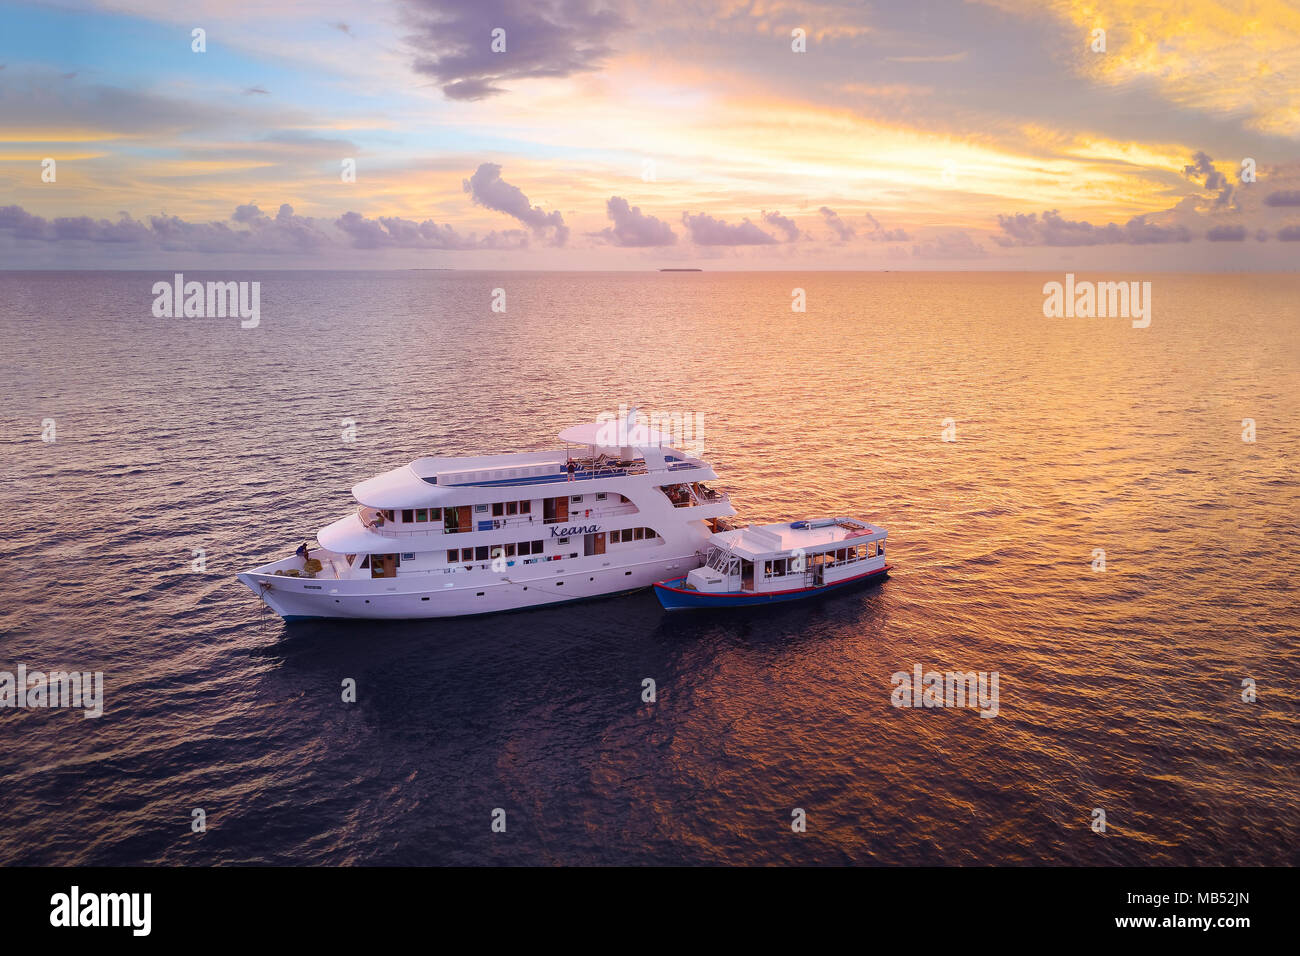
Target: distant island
<point>681,270</point>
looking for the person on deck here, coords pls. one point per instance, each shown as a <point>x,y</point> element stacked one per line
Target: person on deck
<point>572,469</point>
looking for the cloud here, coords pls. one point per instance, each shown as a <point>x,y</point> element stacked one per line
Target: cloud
<point>489,190</point>
<point>952,245</point>
<point>843,231</point>
<point>1215,181</point>
<point>261,91</point>
<point>344,28</point>
<point>707,231</point>
<point>784,223</point>
<point>1226,234</point>
<point>453,41</point>
<point>1026,229</point>
<point>252,232</point>
<point>1283,197</point>
<point>391,232</point>
<point>879,233</point>
<point>633,228</point>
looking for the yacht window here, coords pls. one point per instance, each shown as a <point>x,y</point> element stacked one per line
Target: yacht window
<point>538,546</point>
<point>452,555</point>
<point>407,516</point>
<point>498,509</point>
<point>435,514</point>
<point>525,507</point>
<point>601,496</point>
<point>627,534</point>
<point>510,551</point>
<point>871,549</point>
<point>576,498</point>
<point>880,549</point>
<point>512,507</point>
<point>638,534</point>
<point>562,541</point>
<point>350,558</point>
<point>481,553</point>
<point>778,567</point>
<point>467,554</point>
<point>421,514</point>
<point>482,509</point>
<point>388,514</point>
<point>365,562</point>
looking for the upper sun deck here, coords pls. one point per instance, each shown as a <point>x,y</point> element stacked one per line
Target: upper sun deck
<point>542,467</point>
<point>604,450</point>
<point>761,541</point>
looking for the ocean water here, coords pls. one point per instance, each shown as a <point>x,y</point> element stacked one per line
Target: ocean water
<point>1119,689</point>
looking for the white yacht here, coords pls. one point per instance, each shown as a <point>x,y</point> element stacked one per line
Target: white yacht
<point>615,511</point>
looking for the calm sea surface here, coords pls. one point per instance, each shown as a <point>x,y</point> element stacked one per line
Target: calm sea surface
<point>1119,690</point>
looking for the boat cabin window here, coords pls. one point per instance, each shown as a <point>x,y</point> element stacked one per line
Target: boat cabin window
<point>871,549</point>
<point>435,514</point>
<point>408,516</point>
<point>365,562</point>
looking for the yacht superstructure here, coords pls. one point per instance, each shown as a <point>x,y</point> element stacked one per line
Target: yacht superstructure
<point>453,536</point>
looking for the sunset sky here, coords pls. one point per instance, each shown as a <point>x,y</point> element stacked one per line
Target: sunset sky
<point>930,134</point>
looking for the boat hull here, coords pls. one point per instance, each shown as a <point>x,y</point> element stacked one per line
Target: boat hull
<point>297,599</point>
<point>676,598</point>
